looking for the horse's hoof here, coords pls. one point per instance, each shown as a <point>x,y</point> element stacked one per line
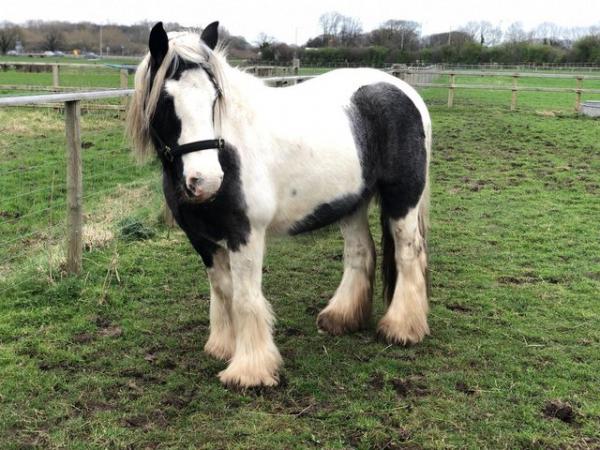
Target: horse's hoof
<point>329,321</point>
<point>395,332</point>
<point>336,322</point>
<point>219,350</point>
<point>235,379</point>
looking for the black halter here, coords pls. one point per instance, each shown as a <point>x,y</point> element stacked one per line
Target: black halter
<point>170,153</point>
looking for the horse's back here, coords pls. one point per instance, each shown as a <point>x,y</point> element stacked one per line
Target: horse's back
<point>343,83</point>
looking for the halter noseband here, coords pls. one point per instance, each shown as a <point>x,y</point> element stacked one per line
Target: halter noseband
<point>170,153</point>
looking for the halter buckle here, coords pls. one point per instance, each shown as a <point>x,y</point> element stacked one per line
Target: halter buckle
<point>168,154</point>
<point>220,144</point>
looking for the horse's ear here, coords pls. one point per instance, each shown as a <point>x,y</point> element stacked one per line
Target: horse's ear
<point>210,35</point>
<point>158,43</point>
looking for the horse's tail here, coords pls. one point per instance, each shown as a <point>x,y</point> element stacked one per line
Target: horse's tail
<point>424,209</point>
<point>389,271</point>
<point>388,267</point>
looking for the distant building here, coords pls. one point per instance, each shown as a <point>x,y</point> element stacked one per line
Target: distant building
<point>19,47</point>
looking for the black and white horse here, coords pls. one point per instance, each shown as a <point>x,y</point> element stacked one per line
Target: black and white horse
<point>242,160</point>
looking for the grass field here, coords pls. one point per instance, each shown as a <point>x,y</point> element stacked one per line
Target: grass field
<point>113,358</point>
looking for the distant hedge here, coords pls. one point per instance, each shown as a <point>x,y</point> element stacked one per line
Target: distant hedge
<point>585,50</point>
<point>369,56</point>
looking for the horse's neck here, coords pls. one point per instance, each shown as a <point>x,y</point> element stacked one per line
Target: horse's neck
<point>245,99</point>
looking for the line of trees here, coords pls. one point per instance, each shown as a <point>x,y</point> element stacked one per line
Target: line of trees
<point>39,36</point>
<point>343,40</point>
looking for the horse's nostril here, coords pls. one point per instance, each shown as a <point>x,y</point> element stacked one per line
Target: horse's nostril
<point>193,185</point>
<point>194,181</point>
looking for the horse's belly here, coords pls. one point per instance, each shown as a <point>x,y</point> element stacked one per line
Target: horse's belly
<point>310,199</point>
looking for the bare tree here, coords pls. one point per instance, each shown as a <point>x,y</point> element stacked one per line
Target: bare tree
<point>472,29</point>
<point>8,37</point>
<point>547,32</point>
<point>53,39</point>
<point>265,45</point>
<point>489,34</point>
<point>330,23</point>
<point>341,29</point>
<point>350,30</point>
<point>263,40</point>
<point>483,31</point>
<point>401,34</point>
<point>515,33</point>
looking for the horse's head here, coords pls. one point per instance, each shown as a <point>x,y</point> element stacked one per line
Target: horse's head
<point>177,96</point>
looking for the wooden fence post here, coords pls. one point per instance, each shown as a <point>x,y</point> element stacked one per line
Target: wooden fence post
<point>124,79</point>
<point>74,188</point>
<point>55,75</point>
<point>513,102</point>
<point>124,84</point>
<point>168,218</point>
<point>578,94</point>
<point>451,91</point>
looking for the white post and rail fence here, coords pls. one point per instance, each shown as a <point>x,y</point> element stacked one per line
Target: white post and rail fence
<point>72,106</point>
<point>410,74</point>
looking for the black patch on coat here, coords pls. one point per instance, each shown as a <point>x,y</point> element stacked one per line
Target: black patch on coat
<point>328,213</point>
<point>182,66</point>
<point>222,219</point>
<point>388,131</point>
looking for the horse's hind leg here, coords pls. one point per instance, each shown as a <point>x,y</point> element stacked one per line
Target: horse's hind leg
<point>350,308</point>
<point>221,341</point>
<point>405,321</point>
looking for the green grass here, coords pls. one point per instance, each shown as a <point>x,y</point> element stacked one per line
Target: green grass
<point>90,77</point>
<point>112,358</point>
<point>95,75</point>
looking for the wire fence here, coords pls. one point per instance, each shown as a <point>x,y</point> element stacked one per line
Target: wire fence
<point>33,189</point>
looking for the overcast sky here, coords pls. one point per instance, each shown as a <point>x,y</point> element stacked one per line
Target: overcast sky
<point>296,21</point>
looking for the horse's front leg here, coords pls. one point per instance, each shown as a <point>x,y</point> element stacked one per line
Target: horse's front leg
<point>221,341</point>
<point>256,359</point>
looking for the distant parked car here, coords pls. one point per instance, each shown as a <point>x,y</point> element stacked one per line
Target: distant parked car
<point>90,55</point>
<point>59,53</point>
<point>48,53</point>
<point>12,53</point>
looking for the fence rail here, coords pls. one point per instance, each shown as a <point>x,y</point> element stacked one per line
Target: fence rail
<point>62,98</point>
<point>578,90</point>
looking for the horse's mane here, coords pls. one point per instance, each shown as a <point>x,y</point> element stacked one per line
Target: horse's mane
<point>182,46</point>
